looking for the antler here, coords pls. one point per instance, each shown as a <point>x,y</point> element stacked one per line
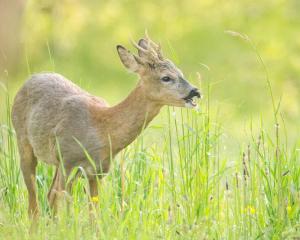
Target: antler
<point>155,46</point>
<point>152,52</point>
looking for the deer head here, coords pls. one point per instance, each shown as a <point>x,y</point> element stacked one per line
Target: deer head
<point>160,79</point>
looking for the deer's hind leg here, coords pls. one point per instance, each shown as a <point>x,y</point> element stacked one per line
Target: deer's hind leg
<point>56,190</point>
<point>51,194</point>
<point>28,164</point>
<point>59,189</point>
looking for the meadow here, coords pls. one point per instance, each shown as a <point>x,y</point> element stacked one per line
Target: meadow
<point>228,170</point>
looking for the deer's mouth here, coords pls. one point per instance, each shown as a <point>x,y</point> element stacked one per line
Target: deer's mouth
<point>190,100</point>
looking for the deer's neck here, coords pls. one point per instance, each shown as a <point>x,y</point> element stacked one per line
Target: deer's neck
<point>125,121</point>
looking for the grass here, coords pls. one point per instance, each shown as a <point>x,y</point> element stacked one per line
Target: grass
<point>180,186</point>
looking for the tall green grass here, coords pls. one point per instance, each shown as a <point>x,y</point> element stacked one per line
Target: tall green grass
<point>178,187</point>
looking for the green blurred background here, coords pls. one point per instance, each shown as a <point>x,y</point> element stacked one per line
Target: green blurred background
<point>78,39</point>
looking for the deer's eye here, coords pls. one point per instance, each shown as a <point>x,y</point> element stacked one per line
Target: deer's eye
<point>166,79</point>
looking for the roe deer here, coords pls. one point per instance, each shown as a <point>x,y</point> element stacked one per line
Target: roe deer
<point>51,116</point>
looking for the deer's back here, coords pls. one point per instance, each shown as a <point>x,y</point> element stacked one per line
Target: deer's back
<point>50,109</point>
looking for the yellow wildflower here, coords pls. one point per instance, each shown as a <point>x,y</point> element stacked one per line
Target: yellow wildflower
<point>250,209</point>
<point>95,199</point>
<point>288,209</point>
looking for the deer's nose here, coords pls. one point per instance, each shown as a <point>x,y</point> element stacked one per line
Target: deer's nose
<point>194,93</point>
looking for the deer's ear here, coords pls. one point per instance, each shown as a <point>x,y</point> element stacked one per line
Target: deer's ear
<point>128,59</point>
<point>143,44</point>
